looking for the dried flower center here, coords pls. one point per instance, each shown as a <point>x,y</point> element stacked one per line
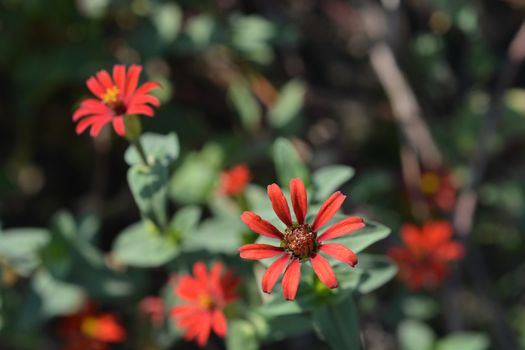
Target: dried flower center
<point>300,241</point>
<point>110,97</point>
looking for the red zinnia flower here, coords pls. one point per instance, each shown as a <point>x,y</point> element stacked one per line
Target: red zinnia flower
<point>234,180</point>
<point>90,330</point>
<point>439,188</point>
<point>299,242</point>
<point>116,98</point>
<point>205,296</point>
<point>423,261</point>
<point>153,308</point>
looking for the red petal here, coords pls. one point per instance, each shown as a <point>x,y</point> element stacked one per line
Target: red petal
<point>437,232</point>
<point>215,274</point>
<point>204,331</point>
<point>96,127</point>
<point>132,80</point>
<point>119,76</point>
<point>118,125</point>
<point>328,210</point>
<point>340,252</point>
<point>200,273</point>
<point>299,199</point>
<point>183,311</point>
<point>324,271</point>
<point>141,109</point>
<point>271,275</point>
<point>291,278</point>
<point>342,228</point>
<point>279,204</point>
<point>105,79</point>
<point>92,121</point>
<point>143,99</point>
<point>147,87</point>
<point>260,226</point>
<point>95,87</point>
<point>259,251</point>
<point>450,251</point>
<point>188,288</point>
<point>412,237</point>
<point>219,323</point>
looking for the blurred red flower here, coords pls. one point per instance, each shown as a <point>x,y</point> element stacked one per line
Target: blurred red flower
<point>423,260</point>
<point>234,180</point>
<point>439,188</point>
<point>205,296</point>
<point>299,242</point>
<point>153,308</point>
<point>90,330</point>
<point>117,97</point>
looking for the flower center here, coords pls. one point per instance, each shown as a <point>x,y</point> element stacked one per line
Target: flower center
<point>89,326</point>
<point>300,241</point>
<point>205,301</point>
<point>429,183</point>
<point>110,97</point>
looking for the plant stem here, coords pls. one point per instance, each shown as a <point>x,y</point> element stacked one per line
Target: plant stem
<point>140,150</point>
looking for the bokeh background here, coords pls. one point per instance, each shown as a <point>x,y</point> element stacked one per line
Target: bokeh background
<point>393,88</point>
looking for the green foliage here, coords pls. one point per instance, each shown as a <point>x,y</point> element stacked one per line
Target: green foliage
<point>338,324</point>
<point>288,163</point>
<point>142,245</point>
<point>464,340</point>
<point>415,335</point>
<point>245,104</point>
<point>21,247</point>
<point>241,336</point>
<point>162,148</point>
<point>288,105</point>
<point>328,179</point>
<point>57,297</point>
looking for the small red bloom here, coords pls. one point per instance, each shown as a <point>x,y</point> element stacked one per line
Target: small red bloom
<point>300,241</point>
<point>153,308</point>
<point>234,180</point>
<point>116,98</point>
<point>205,296</point>
<point>423,260</point>
<point>90,330</point>
<point>439,188</point>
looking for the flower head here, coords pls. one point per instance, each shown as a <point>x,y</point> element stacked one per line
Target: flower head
<point>439,189</point>
<point>234,180</point>
<point>423,260</point>
<point>89,329</point>
<point>116,97</point>
<point>204,295</point>
<point>153,309</point>
<point>300,241</point>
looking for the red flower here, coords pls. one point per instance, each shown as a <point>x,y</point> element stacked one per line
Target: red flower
<point>299,242</point>
<point>205,296</point>
<point>90,330</point>
<point>423,261</point>
<point>116,98</point>
<point>439,189</point>
<point>153,308</point>
<point>234,180</point>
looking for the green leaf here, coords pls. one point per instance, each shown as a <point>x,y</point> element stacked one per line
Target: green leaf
<point>185,221</point>
<point>245,104</point>
<point>21,247</point>
<point>415,335</point>
<point>241,336</point>
<point>464,341</point>
<point>288,163</point>
<point>217,235</point>
<point>195,180</point>
<point>149,188</point>
<point>143,246</point>
<point>420,307</point>
<point>361,239</point>
<point>57,297</point>
<point>163,148</point>
<point>337,324</point>
<point>328,179</point>
<point>375,271</point>
<point>287,326</point>
<point>288,105</point>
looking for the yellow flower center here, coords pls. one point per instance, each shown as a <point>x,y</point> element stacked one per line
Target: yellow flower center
<point>111,95</point>
<point>205,301</point>
<point>89,326</point>
<point>429,183</point>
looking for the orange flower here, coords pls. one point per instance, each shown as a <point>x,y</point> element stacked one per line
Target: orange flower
<point>423,260</point>
<point>439,189</point>
<point>234,180</point>
<point>90,330</point>
<point>204,295</point>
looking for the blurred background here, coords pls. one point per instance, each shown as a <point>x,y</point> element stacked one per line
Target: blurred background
<point>423,98</point>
